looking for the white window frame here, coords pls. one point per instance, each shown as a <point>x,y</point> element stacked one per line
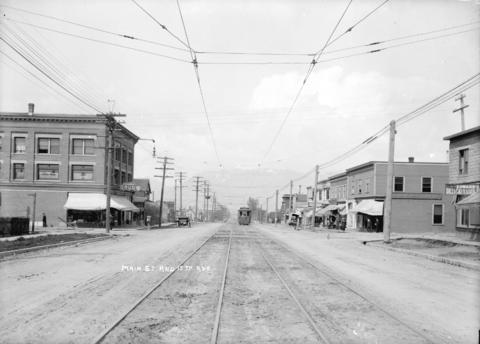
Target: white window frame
<point>14,136</point>
<point>82,137</point>
<point>403,183</point>
<point>47,163</point>
<point>458,151</point>
<point>70,170</point>
<point>12,163</point>
<point>2,142</point>
<point>421,184</point>
<point>48,136</point>
<point>443,214</point>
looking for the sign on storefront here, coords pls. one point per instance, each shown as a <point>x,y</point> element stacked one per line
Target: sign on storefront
<point>461,189</point>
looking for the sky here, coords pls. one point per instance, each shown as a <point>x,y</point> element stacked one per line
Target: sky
<point>253,127</point>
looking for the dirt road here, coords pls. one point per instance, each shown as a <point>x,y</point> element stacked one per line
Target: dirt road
<point>281,286</point>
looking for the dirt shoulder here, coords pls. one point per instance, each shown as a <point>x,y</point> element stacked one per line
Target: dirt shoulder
<point>44,240</point>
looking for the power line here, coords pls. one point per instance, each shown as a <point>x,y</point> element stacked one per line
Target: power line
<point>126,36</point>
<point>149,52</point>
<point>48,76</point>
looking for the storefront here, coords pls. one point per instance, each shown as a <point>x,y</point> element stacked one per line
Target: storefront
<point>88,209</point>
<point>468,215</point>
<point>369,215</point>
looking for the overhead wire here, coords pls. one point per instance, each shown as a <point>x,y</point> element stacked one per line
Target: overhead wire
<point>299,92</point>
<point>149,52</point>
<point>197,74</point>
<point>121,35</point>
<point>56,66</point>
<point>46,74</point>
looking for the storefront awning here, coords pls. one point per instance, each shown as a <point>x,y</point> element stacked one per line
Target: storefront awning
<point>369,207</point>
<point>470,200</point>
<point>95,201</point>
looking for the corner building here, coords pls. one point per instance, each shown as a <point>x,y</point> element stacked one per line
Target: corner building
<point>53,156</point>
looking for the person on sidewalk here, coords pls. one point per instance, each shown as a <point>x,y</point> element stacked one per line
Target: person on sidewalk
<point>44,220</point>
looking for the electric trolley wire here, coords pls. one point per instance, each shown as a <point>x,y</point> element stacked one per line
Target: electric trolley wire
<point>127,36</point>
<point>48,76</point>
<point>299,92</point>
<point>161,25</point>
<point>197,74</point>
<point>149,52</point>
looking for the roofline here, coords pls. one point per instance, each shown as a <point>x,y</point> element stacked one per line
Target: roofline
<point>461,133</point>
<point>395,163</point>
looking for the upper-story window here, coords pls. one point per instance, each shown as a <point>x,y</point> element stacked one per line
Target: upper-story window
<point>82,172</point>
<point>48,171</point>
<point>130,159</point>
<point>367,186</point>
<point>48,145</point>
<point>124,156</point>
<point>129,177</point>
<point>118,153</point>
<point>426,184</point>
<point>360,186</point>
<point>1,142</point>
<point>399,184</point>
<point>463,161</point>
<point>83,146</point>
<point>18,171</point>
<point>353,189</point>
<point>19,144</point>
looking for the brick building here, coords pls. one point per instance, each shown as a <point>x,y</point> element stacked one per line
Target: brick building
<point>464,181</point>
<point>54,157</point>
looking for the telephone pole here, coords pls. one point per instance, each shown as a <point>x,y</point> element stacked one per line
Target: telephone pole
<point>266,210</point>
<point>163,176</point>
<point>461,108</point>
<point>315,195</point>
<point>276,206</point>
<point>181,177</point>
<point>290,204</point>
<point>207,197</point>
<point>175,202</point>
<point>197,189</point>
<point>214,205</point>
<point>387,216</point>
<point>204,200</point>
<point>111,124</point>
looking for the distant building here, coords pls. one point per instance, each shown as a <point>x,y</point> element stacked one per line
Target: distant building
<point>464,181</point>
<point>141,196</point>
<point>419,202</point>
<point>60,158</point>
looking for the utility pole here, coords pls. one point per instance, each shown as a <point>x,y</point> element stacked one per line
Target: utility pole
<point>266,210</point>
<point>111,124</point>
<point>175,201</point>
<point>163,176</point>
<point>197,182</point>
<point>276,206</point>
<point>214,205</point>
<point>461,108</point>
<point>34,195</point>
<point>207,197</point>
<point>290,202</point>
<point>181,178</point>
<point>204,200</point>
<point>387,216</point>
<point>315,195</point>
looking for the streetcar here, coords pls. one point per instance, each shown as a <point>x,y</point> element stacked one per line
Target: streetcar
<point>244,216</point>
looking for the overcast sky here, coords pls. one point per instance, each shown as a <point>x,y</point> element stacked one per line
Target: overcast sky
<point>344,101</point>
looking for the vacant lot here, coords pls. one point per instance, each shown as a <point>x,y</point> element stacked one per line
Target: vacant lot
<point>44,240</point>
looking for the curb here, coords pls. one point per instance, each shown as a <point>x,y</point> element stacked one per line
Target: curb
<point>429,257</point>
<point>38,248</point>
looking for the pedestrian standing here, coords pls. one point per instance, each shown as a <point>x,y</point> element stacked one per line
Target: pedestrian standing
<point>44,220</point>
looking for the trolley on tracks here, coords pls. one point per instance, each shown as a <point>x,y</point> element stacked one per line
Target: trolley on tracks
<point>244,216</point>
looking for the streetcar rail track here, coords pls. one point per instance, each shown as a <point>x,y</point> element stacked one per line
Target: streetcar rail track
<point>104,334</point>
<point>345,285</point>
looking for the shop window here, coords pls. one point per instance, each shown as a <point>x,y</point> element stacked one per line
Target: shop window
<point>398,185</point>
<point>426,184</point>
<point>437,214</point>
<point>83,146</point>
<point>124,177</point>
<point>82,172</point>
<point>47,145</point>
<point>19,144</point>
<point>18,171</point>
<point>47,171</point>
<point>463,161</point>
